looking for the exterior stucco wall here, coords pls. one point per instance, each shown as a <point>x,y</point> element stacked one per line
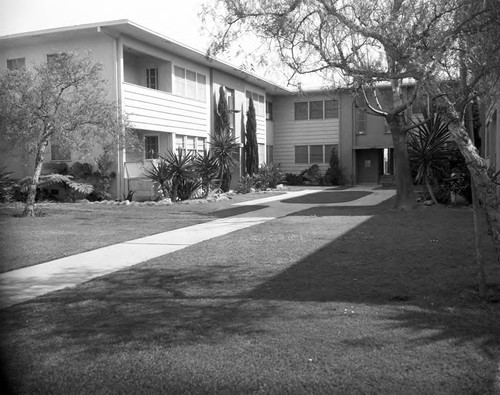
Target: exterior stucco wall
<point>96,44</point>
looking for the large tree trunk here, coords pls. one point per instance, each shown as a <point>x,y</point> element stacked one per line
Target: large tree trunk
<point>29,209</point>
<point>485,188</point>
<point>405,194</point>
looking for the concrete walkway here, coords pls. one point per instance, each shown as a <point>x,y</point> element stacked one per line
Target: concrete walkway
<point>27,283</point>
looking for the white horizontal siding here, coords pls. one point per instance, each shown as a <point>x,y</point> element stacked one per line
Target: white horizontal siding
<point>288,133</point>
<point>150,109</point>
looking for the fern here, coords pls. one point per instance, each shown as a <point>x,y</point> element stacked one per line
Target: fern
<point>51,179</point>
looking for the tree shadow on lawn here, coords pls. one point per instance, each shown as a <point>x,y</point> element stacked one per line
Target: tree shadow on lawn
<point>332,196</point>
<point>424,272</point>
<point>229,212</point>
<point>134,308</point>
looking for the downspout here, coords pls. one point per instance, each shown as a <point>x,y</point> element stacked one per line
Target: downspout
<point>118,75</point>
<point>120,185</point>
<point>211,101</point>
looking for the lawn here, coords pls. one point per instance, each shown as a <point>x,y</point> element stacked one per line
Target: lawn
<point>282,307</point>
<point>68,229</point>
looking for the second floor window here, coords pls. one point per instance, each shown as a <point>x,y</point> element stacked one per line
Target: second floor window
<point>190,84</point>
<point>15,64</point>
<point>269,110</point>
<point>152,78</point>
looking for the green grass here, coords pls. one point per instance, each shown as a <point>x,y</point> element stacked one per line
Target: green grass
<point>283,307</point>
<point>73,228</point>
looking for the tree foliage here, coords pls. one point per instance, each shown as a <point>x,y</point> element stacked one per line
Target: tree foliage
<point>360,44</point>
<point>221,113</point>
<point>62,102</point>
<point>364,43</point>
<point>251,144</point>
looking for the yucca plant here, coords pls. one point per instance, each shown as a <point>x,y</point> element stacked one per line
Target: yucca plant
<point>224,147</point>
<point>428,151</point>
<point>180,167</point>
<point>207,169</point>
<point>189,188</point>
<point>160,174</point>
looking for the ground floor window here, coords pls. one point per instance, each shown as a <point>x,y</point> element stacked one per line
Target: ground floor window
<point>151,147</point>
<point>314,154</point>
<point>193,144</point>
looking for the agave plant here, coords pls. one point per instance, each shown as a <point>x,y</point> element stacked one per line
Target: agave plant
<point>224,147</point>
<point>428,150</point>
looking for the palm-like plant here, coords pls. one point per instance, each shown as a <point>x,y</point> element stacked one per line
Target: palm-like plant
<point>160,174</point>
<point>180,167</point>
<point>207,169</point>
<point>224,147</point>
<point>428,150</point>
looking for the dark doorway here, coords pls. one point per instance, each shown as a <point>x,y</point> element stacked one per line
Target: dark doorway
<point>369,165</point>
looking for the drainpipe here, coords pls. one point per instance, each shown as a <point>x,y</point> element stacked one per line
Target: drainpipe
<point>211,102</point>
<point>118,75</point>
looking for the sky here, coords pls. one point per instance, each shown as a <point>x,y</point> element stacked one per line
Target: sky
<point>176,19</point>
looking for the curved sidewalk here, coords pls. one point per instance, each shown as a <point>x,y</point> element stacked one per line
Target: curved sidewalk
<point>27,283</point>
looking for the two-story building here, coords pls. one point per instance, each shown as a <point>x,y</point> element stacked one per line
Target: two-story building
<point>169,93</point>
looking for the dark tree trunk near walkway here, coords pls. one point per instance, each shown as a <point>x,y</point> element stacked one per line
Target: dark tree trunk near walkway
<point>485,188</point>
<point>405,195</point>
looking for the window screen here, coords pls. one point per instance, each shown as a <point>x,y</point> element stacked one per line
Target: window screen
<point>316,110</point>
<point>316,152</point>
<point>301,155</point>
<point>301,111</point>
<point>331,108</point>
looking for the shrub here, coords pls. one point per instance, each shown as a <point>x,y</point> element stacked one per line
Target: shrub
<point>293,179</point>
<point>334,174</point>
<point>245,184</point>
<point>6,185</point>
<point>270,176</point>
<point>312,175</point>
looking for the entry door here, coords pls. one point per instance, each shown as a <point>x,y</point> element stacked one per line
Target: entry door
<point>367,166</point>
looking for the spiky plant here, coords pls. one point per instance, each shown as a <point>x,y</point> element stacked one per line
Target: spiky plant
<point>224,147</point>
<point>160,174</point>
<point>207,169</point>
<point>428,150</point>
<point>180,166</point>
